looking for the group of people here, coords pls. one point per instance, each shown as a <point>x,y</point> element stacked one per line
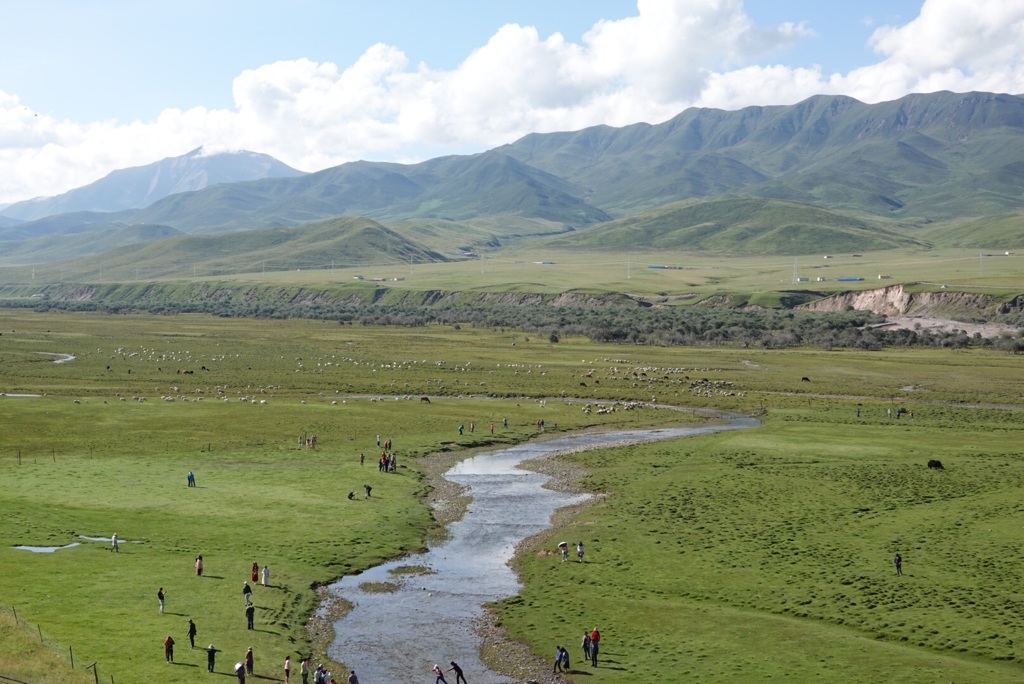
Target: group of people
<point>590,645</point>
<point>388,462</point>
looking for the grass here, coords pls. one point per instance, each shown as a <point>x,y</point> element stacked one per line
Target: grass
<point>518,269</point>
<point>726,558</point>
<point>767,553</point>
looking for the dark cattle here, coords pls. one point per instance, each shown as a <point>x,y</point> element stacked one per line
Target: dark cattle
<point>935,465</point>
<point>425,400</point>
<point>805,379</point>
<point>583,384</point>
<point>205,368</point>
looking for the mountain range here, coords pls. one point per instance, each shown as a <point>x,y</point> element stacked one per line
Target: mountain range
<point>829,172</point>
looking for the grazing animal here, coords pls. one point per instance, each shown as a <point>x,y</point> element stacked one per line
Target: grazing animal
<point>425,400</point>
<point>935,465</point>
<point>805,379</point>
<point>583,384</point>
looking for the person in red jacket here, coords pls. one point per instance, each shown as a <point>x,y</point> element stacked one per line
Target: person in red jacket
<point>169,649</point>
<point>595,637</point>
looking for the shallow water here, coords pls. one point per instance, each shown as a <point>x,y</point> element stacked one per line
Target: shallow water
<point>45,549</point>
<point>398,636</point>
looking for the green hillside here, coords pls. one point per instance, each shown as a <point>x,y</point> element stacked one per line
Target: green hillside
<point>1000,232</point>
<point>740,225</point>
<point>341,241</point>
<point>63,246</point>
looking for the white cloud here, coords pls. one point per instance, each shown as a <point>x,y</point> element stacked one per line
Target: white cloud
<point>647,67</point>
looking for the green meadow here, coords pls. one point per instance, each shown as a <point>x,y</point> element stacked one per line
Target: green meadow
<point>756,554</point>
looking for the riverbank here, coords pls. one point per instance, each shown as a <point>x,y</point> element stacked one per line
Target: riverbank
<point>443,600</point>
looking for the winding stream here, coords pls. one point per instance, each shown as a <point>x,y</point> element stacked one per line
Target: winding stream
<point>430,618</point>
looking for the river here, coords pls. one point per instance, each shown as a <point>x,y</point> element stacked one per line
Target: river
<point>430,616</point>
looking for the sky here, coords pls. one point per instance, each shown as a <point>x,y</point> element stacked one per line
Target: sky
<point>91,86</point>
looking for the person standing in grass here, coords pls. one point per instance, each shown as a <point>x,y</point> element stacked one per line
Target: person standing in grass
<point>595,638</point>
<point>266,575</point>
<point>304,670</point>
<point>255,574</point>
<point>250,614</point>
<point>288,670</point>
<point>169,649</point>
<point>191,633</point>
<point>247,593</point>
<point>586,645</point>
<point>898,562</point>
<point>160,598</point>
<point>250,661</point>
<point>579,551</point>
<point>211,657</point>
<point>199,565</point>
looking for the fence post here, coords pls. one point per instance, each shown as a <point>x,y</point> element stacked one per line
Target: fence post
<point>15,614</point>
<point>40,633</point>
<point>72,652</point>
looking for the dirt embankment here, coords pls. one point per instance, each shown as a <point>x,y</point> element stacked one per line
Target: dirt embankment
<point>895,301</point>
<point>935,311</point>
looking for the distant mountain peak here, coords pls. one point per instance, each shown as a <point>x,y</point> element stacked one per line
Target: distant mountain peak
<point>140,186</point>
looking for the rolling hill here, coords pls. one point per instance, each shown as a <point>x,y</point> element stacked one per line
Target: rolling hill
<point>344,241</point>
<point>738,225</point>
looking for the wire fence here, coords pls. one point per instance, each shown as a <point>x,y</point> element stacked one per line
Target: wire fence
<point>35,631</point>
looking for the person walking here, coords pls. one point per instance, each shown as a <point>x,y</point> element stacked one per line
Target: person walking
<point>459,677</point>
<point>595,638</point>
<point>250,614</point>
<point>249,661</point>
<point>288,669</point>
<point>211,657</point>
<point>191,633</point>
<point>113,543</point>
<point>240,671</point>
<point>439,675</point>
<point>266,575</point>
<point>352,679</point>
<point>169,649</point>
<point>579,551</point>
<point>191,479</point>
<point>558,661</point>
<point>565,660</point>
<point>585,645</point>
<point>247,593</point>
<point>898,562</point>
<point>199,565</point>
<point>160,598</point>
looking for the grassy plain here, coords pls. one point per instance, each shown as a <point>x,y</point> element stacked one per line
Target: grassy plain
<point>750,555</point>
<point>521,268</point>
